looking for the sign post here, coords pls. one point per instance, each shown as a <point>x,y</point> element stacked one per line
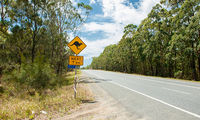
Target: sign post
<point>75,82</point>
<point>76,45</point>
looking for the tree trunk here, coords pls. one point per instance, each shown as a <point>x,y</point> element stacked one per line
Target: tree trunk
<point>156,70</point>
<point>33,48</point>
<point>170,68</point>
<point>193,64</point>
<point>132,64</point>
<point>199,66</point>
<point>34,34</point>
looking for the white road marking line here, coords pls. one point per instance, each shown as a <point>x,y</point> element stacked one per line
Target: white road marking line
<point>166,82</point>
<point>178,91</point>
<point>172,83</point>
<point>188,112</point>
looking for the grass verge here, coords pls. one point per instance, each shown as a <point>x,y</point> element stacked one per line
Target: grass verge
<point>53,103</point>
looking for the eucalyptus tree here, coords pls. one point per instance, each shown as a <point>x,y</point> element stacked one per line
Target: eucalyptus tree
<point>166,43</point>
<point>125,48</point>
<point>37,30</point>
<point>189,32</point>
<point>144,49</point>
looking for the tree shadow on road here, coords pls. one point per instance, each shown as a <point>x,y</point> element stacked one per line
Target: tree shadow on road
<point>92,80</point>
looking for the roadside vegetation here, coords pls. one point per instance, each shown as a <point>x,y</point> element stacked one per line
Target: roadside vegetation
<point>34,55</point>
<point>19,104</point>
<point>166,43</point>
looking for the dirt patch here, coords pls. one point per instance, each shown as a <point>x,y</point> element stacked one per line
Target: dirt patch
<point>103,107</point>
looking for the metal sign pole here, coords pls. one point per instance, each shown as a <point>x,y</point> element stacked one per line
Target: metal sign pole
<point>75,82</point>
<point>76,45</point>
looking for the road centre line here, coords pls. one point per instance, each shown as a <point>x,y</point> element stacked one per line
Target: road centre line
<point>166,83</point>
<point>188,112</point>
<point>178,91</point>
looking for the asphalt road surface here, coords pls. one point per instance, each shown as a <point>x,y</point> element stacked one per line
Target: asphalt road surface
<point>151,98</point>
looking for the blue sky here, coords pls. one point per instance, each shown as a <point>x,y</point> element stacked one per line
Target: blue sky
<point>106,21</point>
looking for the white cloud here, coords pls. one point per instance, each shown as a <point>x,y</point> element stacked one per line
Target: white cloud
<point>92,2</point>
<point>121,15</point>
<point>127,14</point>
<point>102,26</point>
<point>94,48</point>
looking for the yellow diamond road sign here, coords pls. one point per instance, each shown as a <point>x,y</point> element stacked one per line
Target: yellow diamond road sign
<point>76,45</point>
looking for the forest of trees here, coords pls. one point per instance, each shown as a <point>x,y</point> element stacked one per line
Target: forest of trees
<point>33,40</point>
<point>166,43</point>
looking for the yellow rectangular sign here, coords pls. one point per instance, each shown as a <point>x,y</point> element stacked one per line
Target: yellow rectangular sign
<point>75,60</point>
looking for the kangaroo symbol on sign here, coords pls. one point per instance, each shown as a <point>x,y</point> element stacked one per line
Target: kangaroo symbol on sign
<point>77,44</point>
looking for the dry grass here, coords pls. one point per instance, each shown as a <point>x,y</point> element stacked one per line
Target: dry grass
<point>54,103</point>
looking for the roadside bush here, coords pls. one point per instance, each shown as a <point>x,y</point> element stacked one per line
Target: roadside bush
<point>178,74</point>
<point>1,89</point>
<point>35,76</point>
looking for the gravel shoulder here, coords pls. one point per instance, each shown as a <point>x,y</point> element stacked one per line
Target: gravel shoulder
<point>102,107</point>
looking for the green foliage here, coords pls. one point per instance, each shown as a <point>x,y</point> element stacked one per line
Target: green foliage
<point>178,74</point>
<point>1,89</point>
<point>33,40</point>
<point>33,55</point>
<point>166,43</point>
<point>87,7</point>
<point>38,75</point>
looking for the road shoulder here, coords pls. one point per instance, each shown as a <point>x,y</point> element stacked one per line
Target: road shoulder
<point>103,107</point>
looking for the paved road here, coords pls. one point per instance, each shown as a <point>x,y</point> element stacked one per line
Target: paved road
<point>151,98</point>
